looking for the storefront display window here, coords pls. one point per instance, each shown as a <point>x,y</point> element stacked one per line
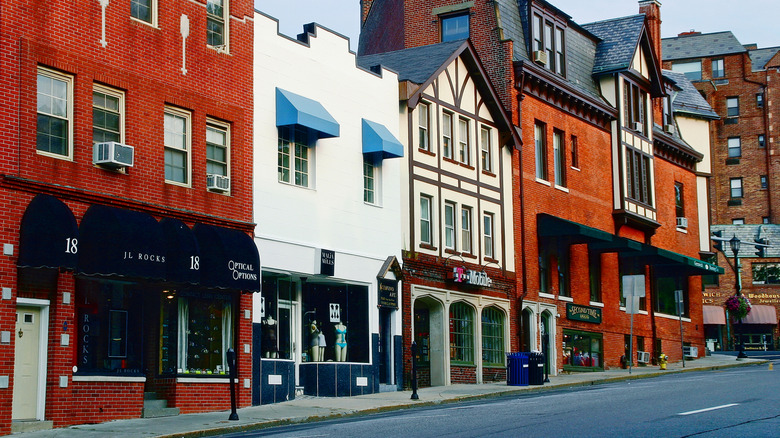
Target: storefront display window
<point>581,349</point>
<point>197,331</point>
<point>493,336</point>
<point>664,295</point>
<point>461,333</point>
<point>335,323</point>
<point>277,320</point>
<point>110,321</point>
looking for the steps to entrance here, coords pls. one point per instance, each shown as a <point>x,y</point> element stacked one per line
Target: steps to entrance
<point>20,426</point>
<point>154,407</point>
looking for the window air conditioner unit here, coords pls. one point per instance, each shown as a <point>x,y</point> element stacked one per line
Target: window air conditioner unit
<point>540,56</point>
<point>112,154</point>
<point>638,126</point>
<point>217,183</point>
<point>669,129</point>
<point>682,222</point>
<point>643,357</point>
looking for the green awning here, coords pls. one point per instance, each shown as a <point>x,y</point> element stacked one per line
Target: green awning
<point>687,265</point>
<point>554,227</point>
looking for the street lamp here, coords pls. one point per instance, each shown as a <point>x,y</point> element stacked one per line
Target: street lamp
<point>735,242</point>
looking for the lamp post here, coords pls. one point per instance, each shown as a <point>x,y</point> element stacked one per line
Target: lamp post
<point>735,242</point>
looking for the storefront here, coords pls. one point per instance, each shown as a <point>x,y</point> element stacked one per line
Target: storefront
<point>140,306</point>
<point>756,330</point>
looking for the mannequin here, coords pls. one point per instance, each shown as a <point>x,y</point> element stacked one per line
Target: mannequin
<point>317,342</point>
<point>269,338</point>
<point>341,342</point>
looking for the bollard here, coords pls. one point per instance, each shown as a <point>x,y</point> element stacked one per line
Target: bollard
<point>231,357</point>
<point>414,371</point>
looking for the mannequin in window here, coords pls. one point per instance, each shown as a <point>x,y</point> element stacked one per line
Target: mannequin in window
<point>317,342</point>
<point>341,342</point>
<point>269,338</point>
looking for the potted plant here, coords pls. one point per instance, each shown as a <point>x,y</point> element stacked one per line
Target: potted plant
<point>738,306</point>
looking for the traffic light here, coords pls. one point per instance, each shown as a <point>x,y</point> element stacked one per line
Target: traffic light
<point>717,236</point>
<point>761,246</point>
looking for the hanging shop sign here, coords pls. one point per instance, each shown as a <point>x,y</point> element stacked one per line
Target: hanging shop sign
<point>326,262</point>
<point>388,293</point>
<point>470,276</point>
<point>576,312</point>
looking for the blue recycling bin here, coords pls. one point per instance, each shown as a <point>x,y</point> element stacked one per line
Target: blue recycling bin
<point>517,369</point>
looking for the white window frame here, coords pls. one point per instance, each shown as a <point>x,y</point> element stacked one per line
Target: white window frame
<point>722,68</point>
<point>423,124</point>
<point>426,220</point>
<point>735,144</point>
<point>488,235</point>
<point>448,222</point>
<point>225,21</point>
<point>559,158</point>
<point>734,185</point>
<point>464,143</point>
<point>69,81</point>
<point>732,103</point>
<point>540,150</point>
<point>688,68</point>
<point>225,127</point>
<point>446,134</point>
<point>187,116</point>
<point>296,146</point>
<point>375,178</point>
<point>466,225</point>
<point>154,14</point>
<point>486,148</point>
<point>121,97</point>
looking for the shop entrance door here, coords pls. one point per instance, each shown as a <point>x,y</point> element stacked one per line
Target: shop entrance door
<point>385,347</point>
<point>289,340</point>
<point>28,369</point>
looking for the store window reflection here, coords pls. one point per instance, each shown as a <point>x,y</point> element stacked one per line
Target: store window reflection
<point>581,349</point>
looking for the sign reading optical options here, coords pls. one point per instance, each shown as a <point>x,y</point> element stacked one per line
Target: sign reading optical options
<point>470,276</point>
<point>388,293</point>
<point>576,312</point>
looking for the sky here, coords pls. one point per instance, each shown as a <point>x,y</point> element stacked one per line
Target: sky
<point>743,17</point>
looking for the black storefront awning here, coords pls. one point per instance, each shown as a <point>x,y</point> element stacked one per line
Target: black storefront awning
<point>182,254</point>
<point>48,236</point>
<point>118,242</point>
<point>228,258</point>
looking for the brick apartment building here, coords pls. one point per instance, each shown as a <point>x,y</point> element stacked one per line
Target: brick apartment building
<point>127,190</point>
<point>597,180</point>
<point>740,83</point>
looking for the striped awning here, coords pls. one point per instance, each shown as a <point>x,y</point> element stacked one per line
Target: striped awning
<point>761,314</point>
<point>714,315</point>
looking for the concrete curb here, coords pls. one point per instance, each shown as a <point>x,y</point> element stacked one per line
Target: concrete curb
<point>455,399</point>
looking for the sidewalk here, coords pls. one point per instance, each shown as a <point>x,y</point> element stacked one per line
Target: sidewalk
<point>307,409</point>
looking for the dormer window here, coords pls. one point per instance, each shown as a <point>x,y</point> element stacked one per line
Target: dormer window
<point>455,27</point>
<point>548,46</point>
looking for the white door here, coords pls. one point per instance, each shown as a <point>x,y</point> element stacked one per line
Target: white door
<point>26,363</point>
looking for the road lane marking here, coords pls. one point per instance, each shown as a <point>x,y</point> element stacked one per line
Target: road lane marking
<point>708,409</point>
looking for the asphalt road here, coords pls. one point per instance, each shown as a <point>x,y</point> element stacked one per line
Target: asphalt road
<point>739,402</point>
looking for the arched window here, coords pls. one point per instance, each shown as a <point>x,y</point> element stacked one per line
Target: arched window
<point>461,333</point>
<point>493,337</point>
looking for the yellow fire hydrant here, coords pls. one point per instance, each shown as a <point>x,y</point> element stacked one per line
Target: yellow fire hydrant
<point>662,360</point>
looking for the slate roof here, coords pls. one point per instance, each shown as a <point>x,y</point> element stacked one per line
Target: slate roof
<point>760,57</point>
<point>619,41</point>
<point>700,45</point>
<point>688,100</point>
<point>746,233</point>
<point>415,64</point>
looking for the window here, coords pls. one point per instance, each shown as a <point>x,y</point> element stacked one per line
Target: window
<point>55,113</point>
<point>732,106</point>
<point>738,221</point>
<point>487,234</point>
<point>216,13</point>
<point>426,233</point>
<point>761,142</point>
<point>465,229</point>
<point>766,273</point>
<point>630,266</point>
<point>765,220</point>
<point>594,275</point>
<point>277,333</point>
<point>679,201</point>
<point>107,114</point>
<point>369,181</point>
<point>667,112</point>
<point>463,141</point>
<point>455,27</point>
<point>461,333</point>
<point>541,150</point>
<point>177,146</point>
<point>691,69</point>
<point>564,276</point>
<point>446,132</point>
<point>293,156</point>
<point>493,336</point>
<point>736,187</point>
<point>549,43</point>
<point>575,153</point>
<point>582,349</point>
<point>335,312</point>
<point>449,225</point>
<point>638,176</point>
<point>423,121</point>
<point>144,10</point>
<point>764,181</point>
<point>635,104</point>
<point>217,147</point>
<point>487,149</point>
<point>717,68</point>
<point>665,295</point>
<point>735,147</point>
<point>759,100</point>
<point>559,158</point>
<point>544,270</point>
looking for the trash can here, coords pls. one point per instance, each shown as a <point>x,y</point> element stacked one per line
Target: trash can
<point>517,369</point>
<point>536,369</point>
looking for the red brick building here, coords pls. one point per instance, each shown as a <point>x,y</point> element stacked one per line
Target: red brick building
<point>127,132</point>
<point>598,177</point>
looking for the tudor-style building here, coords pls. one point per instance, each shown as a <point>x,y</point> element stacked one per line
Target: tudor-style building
<point>594,186</point>
<point>458,292</point>
<point>126,137</point>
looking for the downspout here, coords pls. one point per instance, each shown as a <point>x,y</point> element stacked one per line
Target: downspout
<point>766,126</point>
<point>524,264</point>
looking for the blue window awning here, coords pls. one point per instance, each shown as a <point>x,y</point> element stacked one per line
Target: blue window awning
<point>293,109</point>
<point>48,237</point>
<point>379,141</point>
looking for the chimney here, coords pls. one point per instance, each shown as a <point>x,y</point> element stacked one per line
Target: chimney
<point>652,11</point>
<point>365,6</point>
